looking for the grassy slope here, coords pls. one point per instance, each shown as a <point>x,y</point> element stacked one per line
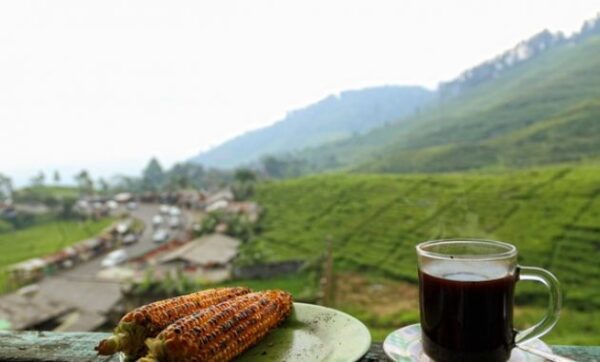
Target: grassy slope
<point>543,111</point>
<point>302,286</point>
<point>551,214</point>
<point>45,238</point>
<point>54,191</point>
<point>5,226</point>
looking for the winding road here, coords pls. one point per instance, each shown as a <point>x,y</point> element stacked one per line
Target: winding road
<point>78,289</point>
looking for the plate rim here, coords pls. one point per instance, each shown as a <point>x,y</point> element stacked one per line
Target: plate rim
<point>367,341</point>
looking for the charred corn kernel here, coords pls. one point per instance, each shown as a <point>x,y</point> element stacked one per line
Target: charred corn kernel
<point>149,320</point>
<point>221,332</point>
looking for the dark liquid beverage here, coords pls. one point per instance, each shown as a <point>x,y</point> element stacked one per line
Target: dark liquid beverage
<point>466,316</point>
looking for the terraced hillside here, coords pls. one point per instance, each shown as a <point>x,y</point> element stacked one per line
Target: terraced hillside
<point>551,214</point>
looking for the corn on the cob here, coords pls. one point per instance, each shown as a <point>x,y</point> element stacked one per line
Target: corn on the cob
<point>221,332</point>
<point>149,320</point>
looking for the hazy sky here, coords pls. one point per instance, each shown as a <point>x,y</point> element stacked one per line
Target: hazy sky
<point>105,85</point>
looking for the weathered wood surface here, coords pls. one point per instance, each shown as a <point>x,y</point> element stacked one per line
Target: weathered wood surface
<point>578,353</point>
<point>79,347</point>
<point>50,346</point>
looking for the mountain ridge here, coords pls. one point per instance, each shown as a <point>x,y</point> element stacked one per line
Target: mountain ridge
<point>540,78</point>
<point>520,53</point>
<point>449,135</point>
<point>332,118</point>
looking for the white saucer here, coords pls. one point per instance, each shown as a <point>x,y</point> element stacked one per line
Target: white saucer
<point>404,345</point>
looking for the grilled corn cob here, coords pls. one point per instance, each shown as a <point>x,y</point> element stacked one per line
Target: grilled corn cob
<point>221,332</point>
<point>149,320</point>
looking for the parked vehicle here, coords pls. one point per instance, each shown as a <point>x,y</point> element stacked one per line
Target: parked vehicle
<point>122,227</point>
<point>164,209</point>
<point>160,236</point>
<point>130,238</point>
<point>157,221</point>
<point>174,222</point>
<point>112,204</point>
<point>174,211</point>
<point>114,258</point>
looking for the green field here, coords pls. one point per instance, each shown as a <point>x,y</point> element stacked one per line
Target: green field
<point>5,226</point>
<point>45,238</point>
<point>45,192</point>
<point>302,286</point>
<point>550,214</point>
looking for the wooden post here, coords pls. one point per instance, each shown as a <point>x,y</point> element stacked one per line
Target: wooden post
<point>328,273</point>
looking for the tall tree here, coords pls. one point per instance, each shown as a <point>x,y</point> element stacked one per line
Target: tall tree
<point>274,167</point>
<point>177,182</point>
<point>6,188</point>
<point>39,179</point>
<point>103,186</point>
<point>244,175</point>
<point>84,183</point>
<point>56,177</point>
<point>153,175</point>
<point>185,175</point>
<point>243,185</point>
<point>122,183</point>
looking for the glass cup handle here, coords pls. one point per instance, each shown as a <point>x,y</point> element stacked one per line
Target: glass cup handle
<point>554,302</point>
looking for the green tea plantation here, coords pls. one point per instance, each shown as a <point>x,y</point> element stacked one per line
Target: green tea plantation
<point>551,214</point>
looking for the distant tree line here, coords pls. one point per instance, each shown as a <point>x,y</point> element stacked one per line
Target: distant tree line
<point>181,176</point>
<point>155,178</point>
<point>290,165</point>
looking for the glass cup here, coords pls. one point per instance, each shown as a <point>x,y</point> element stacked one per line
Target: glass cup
<point>466,290</point>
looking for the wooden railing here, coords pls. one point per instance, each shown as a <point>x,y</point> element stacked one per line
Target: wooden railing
<point>79,347</point>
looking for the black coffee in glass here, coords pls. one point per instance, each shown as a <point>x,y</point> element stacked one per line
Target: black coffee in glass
<point>466,290</point>
<point>466,316</point>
